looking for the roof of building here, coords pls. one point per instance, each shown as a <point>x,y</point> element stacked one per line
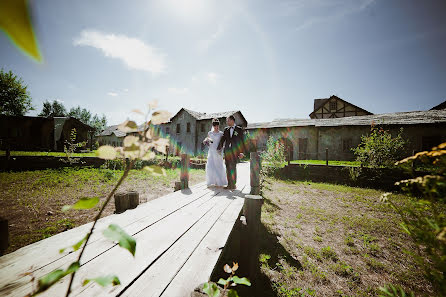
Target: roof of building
<point>208,116</point>
<point>396,118</point>
<point>112,130</point>
<point>318,103</point>
<point>442,105</point>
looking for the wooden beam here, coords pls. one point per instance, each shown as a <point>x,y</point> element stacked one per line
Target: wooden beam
<point>250,235</point>
<point>255,167</point>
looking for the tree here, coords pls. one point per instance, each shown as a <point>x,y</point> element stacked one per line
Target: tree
<point>14,97</point>
<point>85,116</point>
<point>55,109</point>
<point>82,114</point>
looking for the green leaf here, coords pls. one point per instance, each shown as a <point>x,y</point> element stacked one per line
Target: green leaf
<point>159,117</point>
<point>211,290</point>
<point>128,126</point>
<point>156,170</point>
<point>130,140</point>
<point>53,277</point>
<point>106,152</point>
<point>104,281</point>
<point>116,233</point>
<point>75,246</point>
<point>15,21</point>
<point>222,282</point>
<point>83,203</point>
<point>241,281</point>
<point>232,293</point>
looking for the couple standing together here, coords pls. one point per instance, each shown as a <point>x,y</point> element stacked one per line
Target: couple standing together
<point>221,173</point>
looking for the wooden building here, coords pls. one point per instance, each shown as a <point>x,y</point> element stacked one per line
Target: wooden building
<point>335,107</point>
<point>309,138</point>
<point>187,129</point>
<point>40,133</point>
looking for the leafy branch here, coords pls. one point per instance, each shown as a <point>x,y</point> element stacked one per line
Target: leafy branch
<point>137,145</point>
<point>213,290</point>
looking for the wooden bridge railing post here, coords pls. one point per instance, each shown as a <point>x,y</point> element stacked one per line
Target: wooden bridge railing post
<point>249,245</point>
<point>4,235</point>
<point>255,167</point>
<point>184,178</point>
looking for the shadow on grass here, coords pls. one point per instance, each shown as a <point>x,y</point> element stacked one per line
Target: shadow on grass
<point>261,285</point>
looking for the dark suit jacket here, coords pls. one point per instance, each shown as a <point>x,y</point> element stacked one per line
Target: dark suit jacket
<point>233,145</point>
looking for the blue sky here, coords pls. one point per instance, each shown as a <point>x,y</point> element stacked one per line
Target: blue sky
<point>269,59</point>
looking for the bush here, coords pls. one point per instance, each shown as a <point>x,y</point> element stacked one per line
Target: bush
<point>274,156</point>
<point>424,218</point>
<point>380,149</point>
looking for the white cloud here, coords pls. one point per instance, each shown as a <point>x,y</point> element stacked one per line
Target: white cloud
<point>112,94</point>
<point>178,91</point>
<point>205,44</point>
<point>212,77</point>
<point>126,90</point>
<point>60,100</point>
<point>133,52</point>
<point>336,10</point>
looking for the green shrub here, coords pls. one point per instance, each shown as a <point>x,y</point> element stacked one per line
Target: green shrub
<point>380,149</point>
<point>424,217</point>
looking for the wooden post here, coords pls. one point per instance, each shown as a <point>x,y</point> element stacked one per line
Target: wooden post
<point>121,202</point>
<point>167,152</point>
<point>184,178</point>
<point>255,165</point>
<point>289,155</point>
<point>249,254</point>
<point>4,235</point>
<point>326,156</point>
<point>133,198</point>
<point>413,162</point>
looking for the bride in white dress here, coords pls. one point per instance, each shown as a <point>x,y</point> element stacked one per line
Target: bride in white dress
<point>215,166</point>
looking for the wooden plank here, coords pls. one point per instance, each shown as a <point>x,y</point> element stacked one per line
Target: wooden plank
<point>19,262</point>
<point>151,243</point>
<point>155,280</point>
<point>200,265</point>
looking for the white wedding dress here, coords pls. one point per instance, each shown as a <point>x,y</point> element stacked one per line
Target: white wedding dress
<point>215,166</point>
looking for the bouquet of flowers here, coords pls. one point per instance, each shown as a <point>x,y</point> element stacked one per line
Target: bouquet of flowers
<point>207,141</point>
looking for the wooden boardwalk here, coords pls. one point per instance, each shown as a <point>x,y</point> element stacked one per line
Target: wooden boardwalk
<point>179,239</point>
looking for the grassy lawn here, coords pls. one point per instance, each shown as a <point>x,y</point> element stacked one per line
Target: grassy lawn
<point>32,200</point>
<point>49,154</point>
<point>330,240</point>
<point>323,162</point>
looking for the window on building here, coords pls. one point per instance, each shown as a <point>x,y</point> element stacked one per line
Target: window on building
<point>202,127</point>
<point>178,128</point>
<point>333,105</point>
<point>167,130</point>
<point>346,145</point>
<point>188,128</point>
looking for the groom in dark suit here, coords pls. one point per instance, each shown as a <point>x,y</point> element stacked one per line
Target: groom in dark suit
<point>233,140</point>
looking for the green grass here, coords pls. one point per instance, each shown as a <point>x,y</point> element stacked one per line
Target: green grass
<point>338,240</point>
<point>32,201</point>
<point>323,162</point>
<point>47,154</point>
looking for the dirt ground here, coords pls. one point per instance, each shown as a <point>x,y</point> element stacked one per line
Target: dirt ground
<point>32,201</point>
<point>329,240</point>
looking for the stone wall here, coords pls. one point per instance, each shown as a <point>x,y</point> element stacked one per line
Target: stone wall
<point>341,139</point>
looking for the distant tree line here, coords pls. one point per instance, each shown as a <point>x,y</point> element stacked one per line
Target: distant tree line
<point>15,100</point>
<point>57,109</point>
